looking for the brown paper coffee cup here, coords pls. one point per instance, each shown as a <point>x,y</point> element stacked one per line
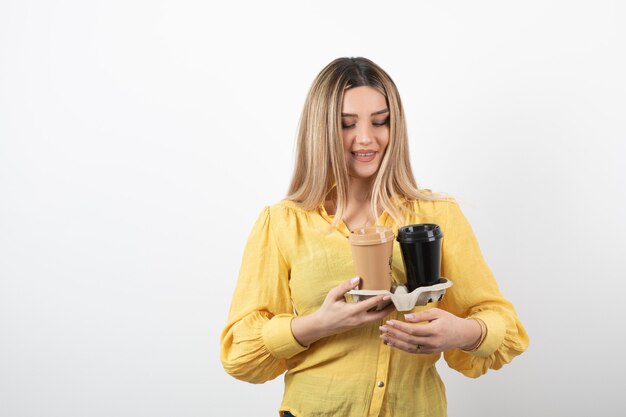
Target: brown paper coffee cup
<point>372,251</point>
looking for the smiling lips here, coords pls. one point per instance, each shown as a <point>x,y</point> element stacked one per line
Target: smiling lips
<point>364,155</point>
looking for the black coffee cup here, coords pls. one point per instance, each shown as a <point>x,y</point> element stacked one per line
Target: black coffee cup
<point>420,245</point>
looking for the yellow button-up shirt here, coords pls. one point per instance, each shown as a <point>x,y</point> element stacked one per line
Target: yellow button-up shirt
<point>293,258</point>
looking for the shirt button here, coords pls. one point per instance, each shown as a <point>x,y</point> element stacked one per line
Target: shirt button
<point>380,384</point>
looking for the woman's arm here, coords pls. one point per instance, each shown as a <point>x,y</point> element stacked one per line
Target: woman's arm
<point>336,316</point>
<point>262,329</point>
<point>474,295</point>
<point>438,331</point>
<point>257,338</point>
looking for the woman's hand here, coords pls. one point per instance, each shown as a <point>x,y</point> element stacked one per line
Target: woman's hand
<point>431,331</point>
<point>336,315</point>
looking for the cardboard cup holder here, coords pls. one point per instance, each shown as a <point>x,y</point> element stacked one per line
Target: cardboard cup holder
<point>401,298</point>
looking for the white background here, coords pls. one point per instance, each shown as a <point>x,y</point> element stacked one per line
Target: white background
<point>139,140</point>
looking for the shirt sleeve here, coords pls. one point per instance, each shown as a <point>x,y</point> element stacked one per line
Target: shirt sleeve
<point>257,338</point>
<point>475,293</point>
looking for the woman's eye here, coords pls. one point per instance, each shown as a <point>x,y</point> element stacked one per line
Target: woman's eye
<point>382,123</point>
<point>346,126</point>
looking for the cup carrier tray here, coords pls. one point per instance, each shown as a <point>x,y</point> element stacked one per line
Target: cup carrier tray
<point>401,298</point>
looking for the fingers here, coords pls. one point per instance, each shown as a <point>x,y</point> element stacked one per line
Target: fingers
<point>373,316</point>
<point>406,336</point>
<point>408,346</point>
<point>390,308</point>
<point>340,290</point>
<point>397,327</point>
<point>367,311</point>
<point>356,314</point>
<point>417,335</point>
<point>426,315</point>
<point>370,303</point>
<point>395,334</point>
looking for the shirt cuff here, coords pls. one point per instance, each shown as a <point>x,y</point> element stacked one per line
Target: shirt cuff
<point>278,338</point>
<point>495,333</point>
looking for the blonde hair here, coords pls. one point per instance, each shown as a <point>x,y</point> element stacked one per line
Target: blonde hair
<point>320,166</point>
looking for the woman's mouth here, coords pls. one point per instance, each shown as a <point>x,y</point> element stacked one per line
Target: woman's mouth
<point>364,155</point>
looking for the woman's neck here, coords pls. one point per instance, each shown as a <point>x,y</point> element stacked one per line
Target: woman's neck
<point>359,190</point>
<point>358,211</point>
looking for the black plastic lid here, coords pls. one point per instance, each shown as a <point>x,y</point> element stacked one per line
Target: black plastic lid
<point>419,233</point>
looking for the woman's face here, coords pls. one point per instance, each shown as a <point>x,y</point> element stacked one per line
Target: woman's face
<point>365,130</point>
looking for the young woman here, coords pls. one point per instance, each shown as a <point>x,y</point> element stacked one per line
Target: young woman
<point>288,311</point>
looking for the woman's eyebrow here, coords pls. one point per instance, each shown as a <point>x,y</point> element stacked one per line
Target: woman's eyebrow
<point>373,114</point>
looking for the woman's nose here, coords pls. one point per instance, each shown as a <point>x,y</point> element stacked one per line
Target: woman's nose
<point>364,136</point>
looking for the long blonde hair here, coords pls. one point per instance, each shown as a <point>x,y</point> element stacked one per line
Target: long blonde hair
<point>320,166</point>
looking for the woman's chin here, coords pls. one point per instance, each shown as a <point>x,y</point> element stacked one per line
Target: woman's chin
<point>363,176</point>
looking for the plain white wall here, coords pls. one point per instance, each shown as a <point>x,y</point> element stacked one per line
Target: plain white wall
<point>139,140</point>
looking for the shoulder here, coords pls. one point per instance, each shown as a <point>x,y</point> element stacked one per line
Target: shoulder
<point>285,208</point>
<point>426,206</point>
<point>285,222</point>
<point>284,214</point>
<point>426,200</point>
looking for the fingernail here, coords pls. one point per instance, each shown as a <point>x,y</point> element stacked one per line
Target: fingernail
<point>408,316</point>
<point>354,280</point>
<point>391,323</point>
<point>383,329</point>
<point>386,297</point>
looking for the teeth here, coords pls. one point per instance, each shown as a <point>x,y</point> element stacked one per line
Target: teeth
<point>364,154</point>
